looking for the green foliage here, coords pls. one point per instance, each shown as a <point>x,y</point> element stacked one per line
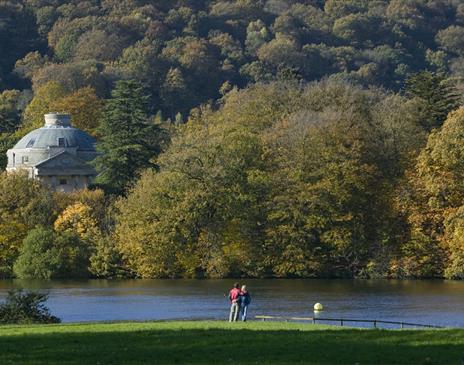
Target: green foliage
<point>213,41</point>
<point>24,203</point>
<point>128,140</point>
<point>22,307</point>
<point>342,177</point>
<point>277,182</point>
<point>18,35</point>
<point>7,141</point>
<point>38,258</point>
<point>105,260</point>
<point>438,95</point>
<point>450,39</point>
<point>41,104</point>
<point>9,110</point>
<point>48,255</point>
<point>434,204</point>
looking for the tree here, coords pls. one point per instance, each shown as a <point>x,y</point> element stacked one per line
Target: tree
<point>142,62</point>
<point>327,211</point>
<point>24,203</point>
<point>174,93</point>
<point>84,106</point>
<point>198,217</point>
<point>438,95</point>
<point>128,141</point>
<point>202,214</point>
<point>31,63</point>
<point>9,110</point>
<point>276,182</point>
<point>18,34</point>
<point>305,24</point>
<point>73,76</point>
<point>434,204</point>
<point>451,39</point>
<point>47,255</point>
<point>65,33</point>
<point>99,45</point>
<point>106,260</point>
<point>41,104</point>
<point>454,238</point>
<point>78,219</point>
<point>90,215</point>
<point>38,258</point>
<point>339,9</point>
<point>257,36</point>
<point>281,52</point>
<point>7,141</point>
<point>356,29</point>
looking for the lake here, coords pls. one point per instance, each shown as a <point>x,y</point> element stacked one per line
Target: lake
<point>427,302</point>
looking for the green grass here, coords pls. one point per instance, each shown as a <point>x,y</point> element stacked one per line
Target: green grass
<point>224,343</point>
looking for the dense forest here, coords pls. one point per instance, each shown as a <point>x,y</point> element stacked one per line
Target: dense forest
<point>258,138</point>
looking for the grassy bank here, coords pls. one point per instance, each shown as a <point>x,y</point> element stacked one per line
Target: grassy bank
<point>224,343</point>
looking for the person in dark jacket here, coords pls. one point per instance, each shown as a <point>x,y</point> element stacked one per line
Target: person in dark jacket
<point>245,300</point>
<point>234,297</point>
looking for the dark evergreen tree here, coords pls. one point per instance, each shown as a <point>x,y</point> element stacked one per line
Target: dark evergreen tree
<point>438,95</point>
<point>18,36</point>
<point>128,141</point>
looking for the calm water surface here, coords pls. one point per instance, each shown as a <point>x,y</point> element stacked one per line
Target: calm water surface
<point>428,302</point>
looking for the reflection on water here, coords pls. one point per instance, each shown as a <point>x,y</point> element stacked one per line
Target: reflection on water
<point>428,302</point>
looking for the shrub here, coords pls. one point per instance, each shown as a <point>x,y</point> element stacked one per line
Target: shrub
<point>26,307</point>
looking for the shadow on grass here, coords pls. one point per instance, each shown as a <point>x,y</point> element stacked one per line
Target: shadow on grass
<point>222,346</point>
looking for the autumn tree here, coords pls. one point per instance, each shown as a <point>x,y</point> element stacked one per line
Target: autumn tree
<point>41,104</point>
<point>24,203</point>
<point>77,218</point>
<point>450,39</point>
<point>199,218</point>
<point>84,106</point>
<point>276,182</point>
<point>435,203</point>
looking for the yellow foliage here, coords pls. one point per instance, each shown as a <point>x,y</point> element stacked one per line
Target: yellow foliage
<point>41,104</point>
<point>85,108</point>
<point>77,218</point>
<point>11,235</point>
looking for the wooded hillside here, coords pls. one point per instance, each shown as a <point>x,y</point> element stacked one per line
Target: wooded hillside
<point>240,138</point>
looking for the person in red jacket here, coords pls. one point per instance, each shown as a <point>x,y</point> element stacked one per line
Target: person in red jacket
<point>234,297</point>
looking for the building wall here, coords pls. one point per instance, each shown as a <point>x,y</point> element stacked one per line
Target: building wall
<point>66,184</point>
<point>27,157</point>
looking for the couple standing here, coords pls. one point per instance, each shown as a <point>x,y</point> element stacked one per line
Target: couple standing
<point>239,301</point>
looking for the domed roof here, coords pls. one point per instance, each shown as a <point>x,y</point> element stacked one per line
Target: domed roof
<point>57,132</point>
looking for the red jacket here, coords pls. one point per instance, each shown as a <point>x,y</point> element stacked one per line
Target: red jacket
<point>234,294</point>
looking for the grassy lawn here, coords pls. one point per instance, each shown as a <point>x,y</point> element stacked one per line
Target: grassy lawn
<point>224,343</point>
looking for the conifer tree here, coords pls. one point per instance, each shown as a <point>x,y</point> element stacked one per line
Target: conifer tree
<point>128,141</point>
<point>438,94</point>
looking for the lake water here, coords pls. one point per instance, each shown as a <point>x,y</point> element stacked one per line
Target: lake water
<point>427,302</point>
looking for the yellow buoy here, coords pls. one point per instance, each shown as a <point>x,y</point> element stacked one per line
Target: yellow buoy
<point>318,307</point>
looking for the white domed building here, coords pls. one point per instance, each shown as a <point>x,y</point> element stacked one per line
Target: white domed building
<point>56,154</point>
